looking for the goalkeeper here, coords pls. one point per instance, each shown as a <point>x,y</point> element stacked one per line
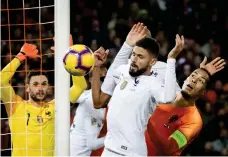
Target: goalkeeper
<point>32,122</point>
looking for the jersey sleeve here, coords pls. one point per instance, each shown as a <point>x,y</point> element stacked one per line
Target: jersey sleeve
<point>184,135</point>
<point>82,98</point>
<point>122,56</point>
<point>8,95</point>
<point>111,79</point>
<point>120,59</point>
<point>188,132</point>
<point>79,85</point>
<point>92,141</point>
<point>167,88</point>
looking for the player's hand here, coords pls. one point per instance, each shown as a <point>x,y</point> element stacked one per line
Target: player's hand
<point>28,50</point>
<point>71,42</point>
<point>178,47</point>
<point>214,66</point>
<point>100,56</point>
<point>137,32</point>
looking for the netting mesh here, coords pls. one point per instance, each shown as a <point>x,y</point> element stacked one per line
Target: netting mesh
<point>30,21</point>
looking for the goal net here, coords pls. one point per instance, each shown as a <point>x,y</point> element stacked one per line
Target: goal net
<point>34,22</point>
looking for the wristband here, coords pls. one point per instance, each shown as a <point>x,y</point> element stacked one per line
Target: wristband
<point>21,56</point>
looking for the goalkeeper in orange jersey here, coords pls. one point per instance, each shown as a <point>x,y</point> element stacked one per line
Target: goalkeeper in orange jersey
<point>173,126</point>
<point>32,122</point>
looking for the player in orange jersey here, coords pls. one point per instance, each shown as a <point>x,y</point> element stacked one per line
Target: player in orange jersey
<point>173,126</point>
<point>32,121</point>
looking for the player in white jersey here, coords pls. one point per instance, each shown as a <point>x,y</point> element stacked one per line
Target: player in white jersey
<point>87,125</point>
<point>138,31</point>
<point>135,93</point>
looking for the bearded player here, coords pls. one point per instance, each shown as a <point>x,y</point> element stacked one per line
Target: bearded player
<point>131,89</point>
<point>32,121</point>
<point>173,126</point>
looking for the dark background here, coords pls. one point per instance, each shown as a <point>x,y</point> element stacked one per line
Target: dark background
<point>204,23</point>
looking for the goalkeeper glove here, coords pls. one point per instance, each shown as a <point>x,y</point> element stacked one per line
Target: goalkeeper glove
<point>27,50</point>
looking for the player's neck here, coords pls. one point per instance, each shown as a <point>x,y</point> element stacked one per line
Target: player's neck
<point>181,102</point>
<point>35,103</point>
<point>147,72</point>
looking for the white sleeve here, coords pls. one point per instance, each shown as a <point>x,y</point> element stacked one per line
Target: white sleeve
<point>110,81</point>
<point>167,92</point>
<point>92,141</point>
<point>121,58</point>
<point>82,97</point>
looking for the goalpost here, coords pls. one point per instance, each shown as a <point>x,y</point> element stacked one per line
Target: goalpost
<point>32,16</point>
<point>62,79</point>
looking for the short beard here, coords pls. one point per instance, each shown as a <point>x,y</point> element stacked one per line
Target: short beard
<point>138,72</point>
<point>185,95</point>
<point>34,98</point>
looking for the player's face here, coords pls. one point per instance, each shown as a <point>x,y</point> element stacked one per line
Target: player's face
<point>196,83</point>
<point>141,61</point>
<point>38,87</point>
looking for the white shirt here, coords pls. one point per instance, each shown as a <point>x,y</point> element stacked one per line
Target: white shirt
<point>86,127</point>
<point>133,100</point>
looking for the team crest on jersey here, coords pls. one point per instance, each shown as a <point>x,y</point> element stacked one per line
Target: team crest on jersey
<point>39,119</point>
<point>123,85</point>
<point>48,113</point>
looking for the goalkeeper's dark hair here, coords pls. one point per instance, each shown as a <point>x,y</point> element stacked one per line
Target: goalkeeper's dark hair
<point>35,73</point>
<point>150,44</point>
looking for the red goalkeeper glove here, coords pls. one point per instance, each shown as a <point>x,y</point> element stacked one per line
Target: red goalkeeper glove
<point>71,42</point>
<point>27,50</point>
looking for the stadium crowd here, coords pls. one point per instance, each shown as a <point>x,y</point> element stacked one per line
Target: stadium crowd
<point>106,23</point>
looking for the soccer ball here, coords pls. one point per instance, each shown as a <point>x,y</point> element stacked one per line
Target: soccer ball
<point>79,60</point>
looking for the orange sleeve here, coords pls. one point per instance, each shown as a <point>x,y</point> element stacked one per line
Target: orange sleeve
<point>181,137</point>
<point>185,134</point>
<point>191,130</point>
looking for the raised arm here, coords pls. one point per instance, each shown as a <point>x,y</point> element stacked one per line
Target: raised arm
<point>79,85</point>
<point>100,99</point>
<point>168,92</point>
<point>138,32</point>
<point>79,82</point>
<point>7,92</point>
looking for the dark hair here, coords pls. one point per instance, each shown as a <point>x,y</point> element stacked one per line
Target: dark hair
<point>150,44</point>
<point>208,83</point>
<point>206,72</point>
<point>35,73</point>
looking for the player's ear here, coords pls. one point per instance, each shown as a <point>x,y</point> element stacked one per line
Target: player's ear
<point>153,61</point>
<point>27,87</point>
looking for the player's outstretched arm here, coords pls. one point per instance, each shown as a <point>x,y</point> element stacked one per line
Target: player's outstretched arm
<point>79,82</point>
<point>7,92</point>
<point>169,91</point>
<point>79,85</point>
<point>100,99</point>
<point>137,32</point>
